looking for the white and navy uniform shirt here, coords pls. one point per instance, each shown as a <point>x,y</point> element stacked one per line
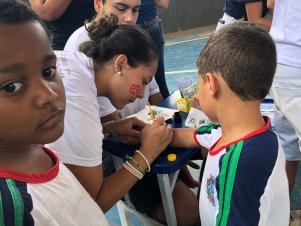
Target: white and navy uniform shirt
<point>53,197</point>
<point>244,182</point>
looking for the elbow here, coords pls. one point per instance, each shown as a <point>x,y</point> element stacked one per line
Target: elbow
<point>48,16</point>
<point>162,4</point>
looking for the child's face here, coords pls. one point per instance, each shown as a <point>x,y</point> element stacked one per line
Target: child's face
<point>207,95</point>
<point>32,98</point>
<point>204,97</point>
<point>129,86</point>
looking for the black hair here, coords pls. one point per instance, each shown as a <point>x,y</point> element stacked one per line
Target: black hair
<point>109,39</point>
<point>15,11</point>
<point>244,54</point>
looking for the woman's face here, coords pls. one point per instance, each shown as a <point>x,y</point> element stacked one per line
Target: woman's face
<point>32,98</point>
<point>128,86</point>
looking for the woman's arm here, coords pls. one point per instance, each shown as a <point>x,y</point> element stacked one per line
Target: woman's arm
<point>254,13</point>
<point>49,10</point>
<point>108,192</point>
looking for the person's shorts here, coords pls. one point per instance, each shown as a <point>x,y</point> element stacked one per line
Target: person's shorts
<point>145,194</point>
<point>286,92</point>
<point>287,136</point>
<point>107,164</point>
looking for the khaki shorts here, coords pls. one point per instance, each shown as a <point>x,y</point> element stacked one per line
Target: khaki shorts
<point>286,92</point>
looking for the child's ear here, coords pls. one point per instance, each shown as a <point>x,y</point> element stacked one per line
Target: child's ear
<point>211,79</point>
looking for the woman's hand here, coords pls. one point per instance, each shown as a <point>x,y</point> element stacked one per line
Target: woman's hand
<point>155,138</point>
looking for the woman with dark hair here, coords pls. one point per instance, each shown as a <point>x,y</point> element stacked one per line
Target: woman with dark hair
<point>118,62</point>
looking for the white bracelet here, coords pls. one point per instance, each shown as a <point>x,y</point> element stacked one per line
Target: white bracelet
<point>147,163</point>
<point>132,170</point>
<point>137,172</point>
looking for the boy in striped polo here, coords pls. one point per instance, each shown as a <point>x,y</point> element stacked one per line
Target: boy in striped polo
<point>244,181</point>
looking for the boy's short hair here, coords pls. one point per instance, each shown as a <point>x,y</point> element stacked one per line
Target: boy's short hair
<point>244,54</point>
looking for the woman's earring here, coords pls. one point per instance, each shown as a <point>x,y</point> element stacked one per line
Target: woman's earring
<point>118,71</point>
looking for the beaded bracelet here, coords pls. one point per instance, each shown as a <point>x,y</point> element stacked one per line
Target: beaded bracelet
<point>145,159</point>
<point>132,169</point>
<point>126,158</point>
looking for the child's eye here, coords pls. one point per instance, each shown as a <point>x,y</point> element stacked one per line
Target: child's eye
<point>12,87</point>
<point>49,72</point>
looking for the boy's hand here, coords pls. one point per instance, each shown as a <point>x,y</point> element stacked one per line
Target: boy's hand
<point>155,138</point>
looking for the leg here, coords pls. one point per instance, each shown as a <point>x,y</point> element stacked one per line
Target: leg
<point>291,171</point>
<point>287,97</point>
<point>146,197</point>
<point>289,142</point>
<point>186,206</point>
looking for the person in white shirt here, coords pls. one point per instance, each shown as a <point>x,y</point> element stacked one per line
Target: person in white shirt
<point>127,12</point>
<point>286,88</point>
<point>108,65</point>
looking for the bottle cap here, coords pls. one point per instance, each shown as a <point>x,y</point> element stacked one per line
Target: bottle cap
<point>171,157</point>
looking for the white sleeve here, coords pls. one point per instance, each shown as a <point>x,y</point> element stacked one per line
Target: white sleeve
<point>78,37</point>
<point>81,143</point>
<point>153,87</point>
<point>105,106</point>
<point>208,135</point>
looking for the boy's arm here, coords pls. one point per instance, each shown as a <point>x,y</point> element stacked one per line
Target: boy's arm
<point>49,10</point>
<point>184,137</point>
<point>254,13</point>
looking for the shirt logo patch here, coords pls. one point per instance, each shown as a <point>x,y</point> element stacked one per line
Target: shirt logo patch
<point>210,189</point>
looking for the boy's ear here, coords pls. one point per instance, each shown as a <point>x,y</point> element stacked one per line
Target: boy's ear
<point>98,6</point>
<point>120,63</point>
<point>211,78</point>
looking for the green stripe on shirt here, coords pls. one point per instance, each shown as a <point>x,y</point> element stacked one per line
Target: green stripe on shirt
<point>18,202</point>
<point>229,163</point>
<point>206,128</point>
